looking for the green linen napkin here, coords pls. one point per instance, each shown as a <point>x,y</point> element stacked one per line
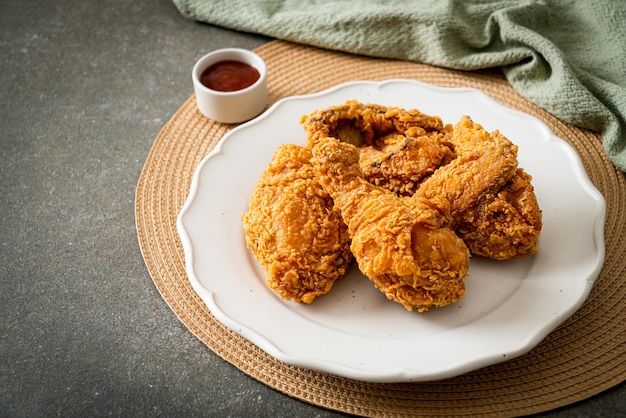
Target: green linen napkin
<point>568,56</point>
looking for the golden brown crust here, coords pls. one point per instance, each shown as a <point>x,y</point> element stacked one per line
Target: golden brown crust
<point>465,172</point>
<point>401,245</point>
<point>398,147</point>
<point>405,195</point>
<point>300,242</point>
<point>491,200</point>
<point>503,224</point>
<point>363,124</point>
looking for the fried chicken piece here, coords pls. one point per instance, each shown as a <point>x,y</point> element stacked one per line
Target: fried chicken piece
<point>300,242</point>
<point>503,224</point>
<point>363,124</point>
<point>484,163</point>
<point>491,202</point>
<point>398,147</point>
<point>401,244</point>
<point>402,162</point>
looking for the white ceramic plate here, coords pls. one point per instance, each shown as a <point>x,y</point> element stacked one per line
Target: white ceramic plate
<point>354,331</point>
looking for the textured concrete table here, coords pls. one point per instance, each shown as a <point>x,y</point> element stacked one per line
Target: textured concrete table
<point>85,88</point>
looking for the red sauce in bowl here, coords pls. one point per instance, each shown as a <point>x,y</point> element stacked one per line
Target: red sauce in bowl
<point>229,76</point>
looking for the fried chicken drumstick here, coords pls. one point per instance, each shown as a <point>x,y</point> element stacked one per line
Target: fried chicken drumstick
<point>290,227</point>
<point>401,244</point>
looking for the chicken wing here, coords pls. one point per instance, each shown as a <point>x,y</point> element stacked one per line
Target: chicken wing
<point>300,242</point>
<point>398,147</point>
<point>400,163</point>
<point>503,224</point>
<point>363,124</point>
<point>401,244</point>
<point>491,201</point>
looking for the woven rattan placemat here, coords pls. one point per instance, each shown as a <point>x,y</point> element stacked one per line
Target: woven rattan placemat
<point>584,356</point>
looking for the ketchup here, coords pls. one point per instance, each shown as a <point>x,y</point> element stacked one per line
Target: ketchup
<point>229,76</point>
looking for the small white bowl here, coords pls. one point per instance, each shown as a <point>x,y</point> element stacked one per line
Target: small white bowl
<point>231,106</point>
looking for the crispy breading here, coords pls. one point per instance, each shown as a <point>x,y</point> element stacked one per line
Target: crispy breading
<point>491,201</point>
<point>405,195</point>
<point>363,124</point>
<point>401,245</point>
<point>401,163</point>
<point>483,163</point>
<point>398,147</point>
<point>290,227</point>
<point>465,171</point>
<point>503,224</point>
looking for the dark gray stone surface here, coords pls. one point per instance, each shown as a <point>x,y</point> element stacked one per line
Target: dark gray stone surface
<point>85,88</point>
